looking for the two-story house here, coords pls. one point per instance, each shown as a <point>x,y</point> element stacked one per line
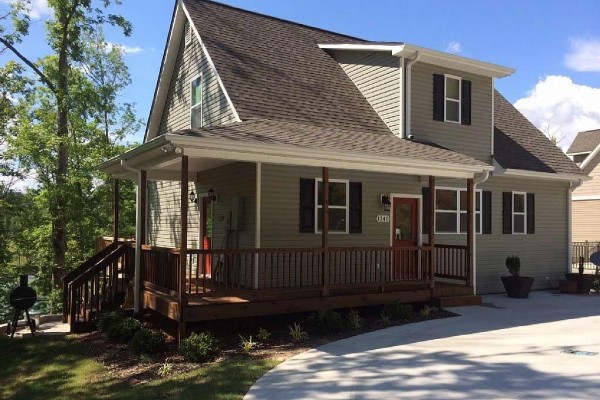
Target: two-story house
<point>288,168</point>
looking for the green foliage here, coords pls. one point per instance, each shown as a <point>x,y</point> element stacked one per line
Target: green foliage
<point>125,329</point>
<point>247,345</point>
<point>385,320</point>
<point>513,264</point>
<point>108,319</point>
<point>426,311</point>
<point>199,347</point>
<point>297,333</point>
<point>326,321</point>
<point>355,321</point>
<point>398,311</point>
<point>165,369</point>
<point>263,334</point>
<point>147,341</point>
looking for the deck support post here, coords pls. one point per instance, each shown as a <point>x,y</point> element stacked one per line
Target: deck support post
<point>116,186</point>
<point>325,230</point>
<point>470,230</point>
<point>140,233</point>
<point>431,228</point>
<point>257,225</point>
<point>183,246</point>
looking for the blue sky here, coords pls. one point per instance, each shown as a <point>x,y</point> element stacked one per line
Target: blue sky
<point>553,45</point>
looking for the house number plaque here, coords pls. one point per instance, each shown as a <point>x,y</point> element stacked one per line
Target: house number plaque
<point>383,218</point>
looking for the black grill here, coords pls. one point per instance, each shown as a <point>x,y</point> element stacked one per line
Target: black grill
<point>22,298</point>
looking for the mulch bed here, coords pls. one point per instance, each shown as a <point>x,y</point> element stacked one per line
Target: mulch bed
<point>122,362</point>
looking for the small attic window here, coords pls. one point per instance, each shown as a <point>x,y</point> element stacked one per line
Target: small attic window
<point>196,102</point>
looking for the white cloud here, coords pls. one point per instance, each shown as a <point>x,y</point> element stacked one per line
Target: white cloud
<point>37,8</point>
<point>123,48</point>
<point>584,55</point>
<point>557,105</point>
<point>454,47</point>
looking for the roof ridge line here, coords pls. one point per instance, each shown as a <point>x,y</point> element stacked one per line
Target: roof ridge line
<point>278,19</point>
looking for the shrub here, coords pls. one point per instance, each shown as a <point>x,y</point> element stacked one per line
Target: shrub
<point>247,345</point>
<point>147,341</point>
<point>165,369</point>
<point>513,264</point>
<point>385,320</point>
<point>326,321</point>
<point>199,347</point>
<point>263,334</point>
<point>426,311</point>
<point>297,333</point>
<point>125,329</point>
<point>397,311</point>
<point>355,321</point>
<point>108,319</point>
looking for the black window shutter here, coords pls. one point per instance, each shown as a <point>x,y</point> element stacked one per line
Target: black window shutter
<point>486,212</point>
<point>426,210</point>
<point>307,205</point>
<point>438,97</point>
<point>355,207</point>
<point>530,213</point>
<point>465,103</point>
<point>507,212</point>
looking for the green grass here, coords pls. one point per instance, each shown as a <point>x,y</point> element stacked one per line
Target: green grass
<point>60,368</point>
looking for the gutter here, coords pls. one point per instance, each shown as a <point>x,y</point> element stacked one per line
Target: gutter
<point>409,64</point>
<point>138,237</point>
<point>485,177</point>
<point>572,187</point>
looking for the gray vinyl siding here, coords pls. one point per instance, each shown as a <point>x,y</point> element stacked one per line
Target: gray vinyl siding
<point>191,62</point>
<point>229,181</point>
<point>280,199</point>
<point>377,76</point>
<point>474,140</point>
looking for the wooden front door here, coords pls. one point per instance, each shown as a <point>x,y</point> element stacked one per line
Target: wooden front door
<point>405,232</point>
<point>206,233</point>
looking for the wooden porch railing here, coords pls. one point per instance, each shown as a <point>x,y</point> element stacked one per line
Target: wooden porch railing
<point>585,250</point>
<point>451,262</point>
<point>210,272</point>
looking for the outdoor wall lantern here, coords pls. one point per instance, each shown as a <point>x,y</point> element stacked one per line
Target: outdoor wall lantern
<point>211,195</point>
<point>193,197</point>
<point>385,200</point>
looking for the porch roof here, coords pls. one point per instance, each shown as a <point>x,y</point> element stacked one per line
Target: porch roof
<point>290,143</point>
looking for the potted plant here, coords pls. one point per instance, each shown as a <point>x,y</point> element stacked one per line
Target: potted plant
<point>516,285</point>
<point>584,281</point>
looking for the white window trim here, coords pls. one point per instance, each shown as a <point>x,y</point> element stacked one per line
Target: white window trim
<point>523,213</point>
<point>446,99</point>
<point>201,99</point>
<point>459,212</point>
<point>319,207</point>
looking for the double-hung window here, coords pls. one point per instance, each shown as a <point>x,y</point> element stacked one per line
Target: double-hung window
<point>196,102</point>
<point>519,212</point>
<point>452,98</point>
<point>338,205</point>
<point>451,214</point>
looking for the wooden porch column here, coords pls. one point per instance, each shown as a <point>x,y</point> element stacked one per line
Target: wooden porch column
<point>183,246</point>
<point>470,231</point>
<point>140,216</point>
<point>432,229</point>
<point>116,210</point>
<point>143,204</point>
<point>325,230</point>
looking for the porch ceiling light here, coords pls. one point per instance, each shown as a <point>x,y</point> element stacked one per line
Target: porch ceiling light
<point>385,200</point>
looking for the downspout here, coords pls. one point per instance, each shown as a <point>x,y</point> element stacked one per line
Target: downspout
<point>485,177</point>
<point>138,237</point>
<point>572,186</point>
<point>409,64</point>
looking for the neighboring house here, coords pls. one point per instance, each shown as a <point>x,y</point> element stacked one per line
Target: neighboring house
<point>585,151</point>
<point>434,178</point>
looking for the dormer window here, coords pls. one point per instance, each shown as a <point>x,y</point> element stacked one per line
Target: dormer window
<point>196,102</point>
<point>452,96</point>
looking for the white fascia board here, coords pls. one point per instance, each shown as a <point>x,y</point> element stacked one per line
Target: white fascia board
<point>578,153</point>
<point>585,198</point>
<point>545,175</point>
<point>150,145</point>
<point>292,155</point>
<point>361,47</point>
<point>590,157</point>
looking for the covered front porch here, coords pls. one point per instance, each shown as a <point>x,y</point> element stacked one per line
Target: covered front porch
<point>233,253</point>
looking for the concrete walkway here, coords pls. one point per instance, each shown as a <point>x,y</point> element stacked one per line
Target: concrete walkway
<point>507,348</point>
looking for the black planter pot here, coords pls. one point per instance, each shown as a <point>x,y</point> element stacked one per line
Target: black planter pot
<point>517,286</point>
<point>584,282</point>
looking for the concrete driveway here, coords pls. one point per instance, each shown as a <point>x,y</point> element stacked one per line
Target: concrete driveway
<point>507,348</point>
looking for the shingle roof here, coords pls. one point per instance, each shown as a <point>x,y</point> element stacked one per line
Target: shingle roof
<point>519,144</point>
<point>332,138</point>
<point>585,142</point>
<point>274,69</point>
